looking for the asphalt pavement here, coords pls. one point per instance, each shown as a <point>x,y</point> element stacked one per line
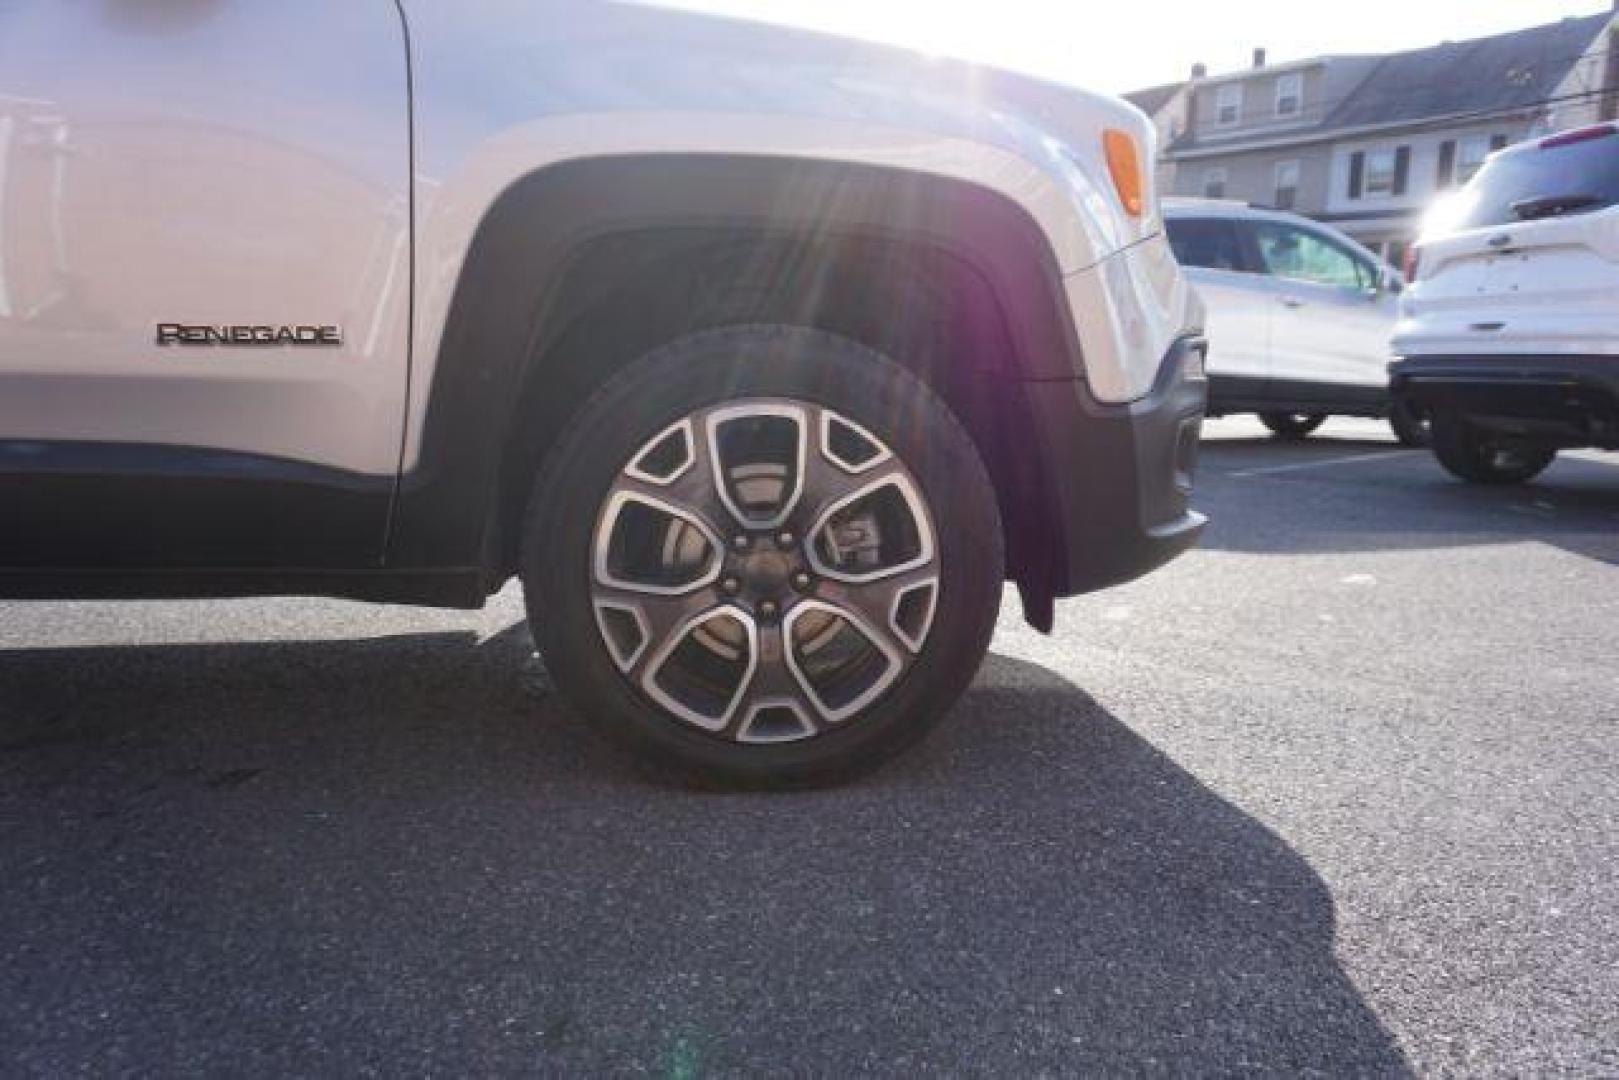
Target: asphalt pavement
<point>1333,794</point>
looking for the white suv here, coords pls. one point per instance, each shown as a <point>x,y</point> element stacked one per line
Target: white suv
<point>1299,316</point>
<point>762,358</point>
<point>1510,332</point>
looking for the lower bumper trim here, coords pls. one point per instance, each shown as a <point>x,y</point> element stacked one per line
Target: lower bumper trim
<point>1570,401</point>
<point>1122,474</point>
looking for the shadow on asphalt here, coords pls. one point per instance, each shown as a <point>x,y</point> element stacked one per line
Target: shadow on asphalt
<point>1266,496</point>
<point>401,855</point>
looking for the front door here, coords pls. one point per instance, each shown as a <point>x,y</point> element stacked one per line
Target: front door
<point>204,282</point>
<point>1333,319</point>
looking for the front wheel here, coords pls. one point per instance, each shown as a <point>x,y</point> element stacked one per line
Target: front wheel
<point>1479,457</point>
<point>765,556</point>
<point>1292,425</point>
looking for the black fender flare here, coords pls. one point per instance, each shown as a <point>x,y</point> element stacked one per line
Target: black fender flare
<point>505,310</point>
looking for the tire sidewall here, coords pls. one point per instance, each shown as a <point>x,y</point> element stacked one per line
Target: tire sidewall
<point>706,370</point>
<point>1288,425</point>
<point>1457,445</point>
<point>1409,423</point>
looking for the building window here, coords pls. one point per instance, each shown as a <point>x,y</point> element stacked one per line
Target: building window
<point>1446,176</point>
<point>1289,94</point>
<point>1470,155</point>
<point>1380,172</point>
<point>1214,183</point>
<point>1228,105</point>
<point>1287,185</point>
<point>1376,174</point>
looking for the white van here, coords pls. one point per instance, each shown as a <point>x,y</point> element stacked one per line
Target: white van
<point>1510,331</point>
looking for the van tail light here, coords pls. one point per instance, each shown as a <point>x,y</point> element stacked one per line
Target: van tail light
<point>1124,166</point>
<point>1411,262</point>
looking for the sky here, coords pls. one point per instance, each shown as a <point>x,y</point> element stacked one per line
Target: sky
<point>1103,47</point>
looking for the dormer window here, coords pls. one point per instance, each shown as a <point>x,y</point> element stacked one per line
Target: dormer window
<point>1289,95</point>
<point>1228,105</point>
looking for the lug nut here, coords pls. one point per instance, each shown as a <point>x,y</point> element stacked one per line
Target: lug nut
<point>801,581</point>
<point>785,538</point>
<point>768,609</point>
<point>740,542</point>
<point>731,585</point>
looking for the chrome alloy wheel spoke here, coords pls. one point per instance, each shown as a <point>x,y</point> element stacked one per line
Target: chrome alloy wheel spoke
<point>675,467</point>
<point>898,607</point>
<point>764,570</point>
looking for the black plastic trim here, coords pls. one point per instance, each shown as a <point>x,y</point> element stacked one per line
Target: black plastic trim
<point>1120,475</point>
<point>121,505</point>
<point>1567,401</point>
<point>451,588</point>
<point>1244,393</point>
<point>507,314</point>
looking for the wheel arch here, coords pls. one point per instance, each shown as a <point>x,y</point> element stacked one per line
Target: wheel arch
<point>578,268</point>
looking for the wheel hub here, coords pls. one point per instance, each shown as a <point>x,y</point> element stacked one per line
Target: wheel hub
<point>764,574</point>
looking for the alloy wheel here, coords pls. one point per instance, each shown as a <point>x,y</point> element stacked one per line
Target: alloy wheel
<point>764,570</point>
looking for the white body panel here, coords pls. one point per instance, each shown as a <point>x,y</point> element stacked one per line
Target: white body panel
<point>239,162</point>
<point>1330,334</point>
<point>1128,309</point>
<point>1554,290</point>
<point>226,163</point>
<point>508,87</point>
<point>1242,308</point>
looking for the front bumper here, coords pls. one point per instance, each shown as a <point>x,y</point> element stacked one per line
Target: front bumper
<point>1568,401</point>
<point>1120,476</point>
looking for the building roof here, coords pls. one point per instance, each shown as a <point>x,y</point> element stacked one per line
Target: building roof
<point>1495,74</point>
<point>1154,98</point>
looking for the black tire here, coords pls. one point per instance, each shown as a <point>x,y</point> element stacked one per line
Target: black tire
<point>749,363</point>
<point>1292,425</point>
<point>1472,454</point>
<point>1409,423</point>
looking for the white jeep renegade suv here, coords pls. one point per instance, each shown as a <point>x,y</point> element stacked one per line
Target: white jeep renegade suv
<point>763,358</point>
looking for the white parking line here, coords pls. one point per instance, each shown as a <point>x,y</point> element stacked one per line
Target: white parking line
<point>1298,466</point>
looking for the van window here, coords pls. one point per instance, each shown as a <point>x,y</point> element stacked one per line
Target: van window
<point>1587,168</point>
<point>1210,243</point>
